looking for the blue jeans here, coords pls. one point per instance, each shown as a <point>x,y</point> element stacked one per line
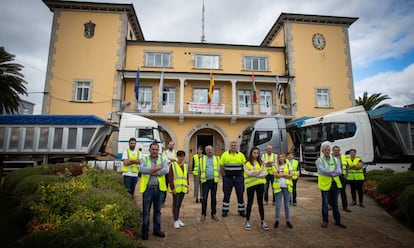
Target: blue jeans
<point>286,199</point>
<point>130,183</point>
<point>331,198</point>
<point>152,196</point>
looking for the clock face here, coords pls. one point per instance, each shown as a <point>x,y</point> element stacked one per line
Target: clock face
<point>318,41</point>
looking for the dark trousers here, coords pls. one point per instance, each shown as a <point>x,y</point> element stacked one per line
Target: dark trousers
<point>207,186</point>
<point>269,184</point>
<point>177,201</point>
<point>228,183</point>
<point>250,196</point>
<point>167,181</point>
<point>330,197</point>
<point>356,185</point>
<point>294,194</point>
<point>343,193</point>
<point>130,183</point>
<point>152,196</point>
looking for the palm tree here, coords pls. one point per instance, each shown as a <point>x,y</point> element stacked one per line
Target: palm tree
<point>11,83</point>
<point>372,101</point>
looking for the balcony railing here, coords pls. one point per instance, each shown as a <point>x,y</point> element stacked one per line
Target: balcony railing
<point>225,109</point>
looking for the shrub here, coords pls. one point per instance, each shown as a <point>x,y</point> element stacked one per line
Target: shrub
<point>107,205</point>
<point>379,175</point>
<point>104,179</point>
<point>79,234</point>
<point>12,179</point>
<point>395,183</point>
<point>28,185</point>
<point>406,203</point>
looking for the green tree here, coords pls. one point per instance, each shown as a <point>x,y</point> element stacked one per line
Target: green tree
<point>373,101</point>
<point>11,83</point>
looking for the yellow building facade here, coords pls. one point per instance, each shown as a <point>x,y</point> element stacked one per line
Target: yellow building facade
<point>98,52</point>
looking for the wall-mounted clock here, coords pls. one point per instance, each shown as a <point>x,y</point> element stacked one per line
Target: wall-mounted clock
<point>318,41</point>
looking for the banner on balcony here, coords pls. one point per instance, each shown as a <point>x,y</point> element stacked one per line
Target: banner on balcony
<point>206,108</point>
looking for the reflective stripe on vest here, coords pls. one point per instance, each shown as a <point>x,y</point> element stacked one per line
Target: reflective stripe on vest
<point>265,158</point>
<point>325,182</point>
<point>132,167</point>
<point>251,181</point>
<point>203,168</point>
<point>145,178</point>
<point>294,164</point>
<point>180,178</point>
<point>233,163</point>
<point>289,183</point>
<point>355,174</point>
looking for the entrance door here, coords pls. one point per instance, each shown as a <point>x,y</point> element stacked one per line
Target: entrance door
<point>205,140</point>
<point>245,101</point>
<point>168,101</point>
<point>266,102</point>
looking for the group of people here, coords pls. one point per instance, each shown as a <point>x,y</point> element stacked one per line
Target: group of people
<point>168,172</point>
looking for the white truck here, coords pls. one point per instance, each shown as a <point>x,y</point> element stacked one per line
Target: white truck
<point>383,138</point>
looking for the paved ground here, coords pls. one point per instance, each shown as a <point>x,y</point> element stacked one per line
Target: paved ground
<point>367,227</point>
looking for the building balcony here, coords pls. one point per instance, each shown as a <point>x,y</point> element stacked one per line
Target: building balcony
<point>213,110</point>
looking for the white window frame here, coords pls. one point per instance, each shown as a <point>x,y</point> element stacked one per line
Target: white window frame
<point>253,63</point>
<point>323,97</point>
<point>80,87</point>
<point>158,59</point>
<point>207,61</point>
<point>145,94</point>
<point>200,95</point>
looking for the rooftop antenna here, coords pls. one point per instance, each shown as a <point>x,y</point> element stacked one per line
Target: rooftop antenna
<point>203,37</point>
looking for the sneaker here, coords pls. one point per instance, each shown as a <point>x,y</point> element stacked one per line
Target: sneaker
<point>265,226</point>
<point>294,204</point>
<point>288,224</point>
<point>181,223</point>
<point>324,224</point>
<point>248,227</point>
<point>176,224</point>
<point>214,217</point>
<point>203,218</point>
<point>276,225</point>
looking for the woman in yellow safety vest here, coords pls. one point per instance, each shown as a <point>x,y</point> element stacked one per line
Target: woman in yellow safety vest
<point>178,186</point>
<point>254,180</point>
<point>356,177</point>
<point>282,187</point>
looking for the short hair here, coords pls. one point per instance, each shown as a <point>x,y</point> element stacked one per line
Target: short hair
<point>336,147</point>
<point>352,150</point>
<point>132,139</point>
<point>154,144</point>
<point>180,153</point>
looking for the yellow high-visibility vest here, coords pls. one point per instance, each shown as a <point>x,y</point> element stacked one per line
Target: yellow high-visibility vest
<point>251,181</point>
<point>180,178</point>
<point>134,168</point>
<point>145,178</point>
<point>325,182</point>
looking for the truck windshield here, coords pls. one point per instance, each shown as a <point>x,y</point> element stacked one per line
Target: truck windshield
<point>328,131</point>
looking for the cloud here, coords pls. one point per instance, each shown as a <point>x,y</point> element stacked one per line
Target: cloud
<point>399,85</point>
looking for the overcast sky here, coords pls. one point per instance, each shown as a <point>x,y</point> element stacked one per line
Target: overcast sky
<point>382,40</point>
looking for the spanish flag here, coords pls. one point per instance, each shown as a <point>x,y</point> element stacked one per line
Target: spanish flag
<point>254,88</point>
<point>211,89</point>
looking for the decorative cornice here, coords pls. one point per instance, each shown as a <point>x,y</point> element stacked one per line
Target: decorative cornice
<point>310,19</point>
<point>99,7</point>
